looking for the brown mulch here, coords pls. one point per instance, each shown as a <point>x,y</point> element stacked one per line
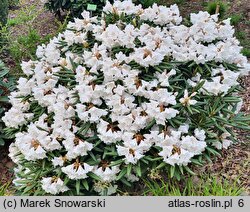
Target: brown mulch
<point>6,166</point>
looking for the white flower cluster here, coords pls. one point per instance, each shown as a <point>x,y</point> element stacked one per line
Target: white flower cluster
<point>112,96</point>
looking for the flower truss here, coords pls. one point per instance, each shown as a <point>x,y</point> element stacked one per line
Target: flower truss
<point>116,97</point>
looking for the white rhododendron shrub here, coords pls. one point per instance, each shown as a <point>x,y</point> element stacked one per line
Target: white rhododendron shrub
<point>117,98</point>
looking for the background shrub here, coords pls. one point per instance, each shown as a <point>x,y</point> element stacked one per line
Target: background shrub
<point>75,7</point>
<point>4,7</point>
<point>221,6</point>
<point>13,3</point>
<point>7,84</point>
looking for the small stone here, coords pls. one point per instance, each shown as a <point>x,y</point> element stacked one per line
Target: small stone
<point>9,164</point>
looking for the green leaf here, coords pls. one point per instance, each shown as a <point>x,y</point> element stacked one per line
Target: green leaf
<point>189,170</point>
<point>3,73</point>
<point>195,161</point>
<point>197,87</point>
<point>28,188</point>
<point>85,184</point>
<point>212,151</point>
<point>129,169</point>
<point>207,157</point>
<point>150,124</point>
<point>118,162</point>
<point>172,171</point>
<point>92,156</point>
<point>162,164</point>
<point>181,169</point>
<point>124,181</point>
<point>2,142</point>
<point>94,176</point>
<point>121,174</point>
<point>4,99</point>
<point>138,169</point>
<point>78,187</point>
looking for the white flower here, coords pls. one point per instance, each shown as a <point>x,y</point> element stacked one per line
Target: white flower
<point>27,67</point>
<point>91,113</point>
<point>104,188</point>
<point>132,178</point>
<point>107,174</point>
<point>102,86</point>
<point>134,147</point>
<point>108,133</point>
<point>76,147</point>
<point>58,161</point>
<point>200,134</point>
<point>15,118</point>
<point>186,100</point>
<point>184,128</point>
<point>76,171</point>
<point>14,153</point>
<point>53,185</point>
<point>224,141</point>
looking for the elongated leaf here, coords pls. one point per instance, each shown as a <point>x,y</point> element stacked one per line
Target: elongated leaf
<point>189,170</point>
<point>94,176</point>
<point>121,174</point>
<point>129,169</point>
<point>85,184</point>
<point>138,169</point>
<point>4,99</point>
<point>78,187</point>
<point>172,171</point>
<point>3,73</point>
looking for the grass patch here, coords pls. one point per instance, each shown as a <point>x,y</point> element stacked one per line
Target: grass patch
<point>235,19</point>
<point>4,189</point>
<point>212,8</point>
<point>207,186</point>
<point>246,52</point>
<point>25,14</point>
<point>241,35</point>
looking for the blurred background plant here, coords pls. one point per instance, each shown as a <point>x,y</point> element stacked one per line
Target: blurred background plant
<point>217,7</point>
<point>74,8</point>
<point>13,4</point>
<point>7,84</point>
<point>4,8</point>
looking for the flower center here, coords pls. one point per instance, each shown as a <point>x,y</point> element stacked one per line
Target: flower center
<point>113,128</point>
<point>176,149</point>
<point>132,152</point>
<point>138,138</point>
<point>35,144</point>
<point>147,53</point>
<point>104,164</point>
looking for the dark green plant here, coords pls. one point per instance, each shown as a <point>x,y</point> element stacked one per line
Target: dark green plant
<point>246,52</point>
<point>217,7</point>
<point>4,7</point>
<point>13,3</point>
<point>73,7</point>
<point>147,3</point>
<point>235,19</point>
<point>7,84</point>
